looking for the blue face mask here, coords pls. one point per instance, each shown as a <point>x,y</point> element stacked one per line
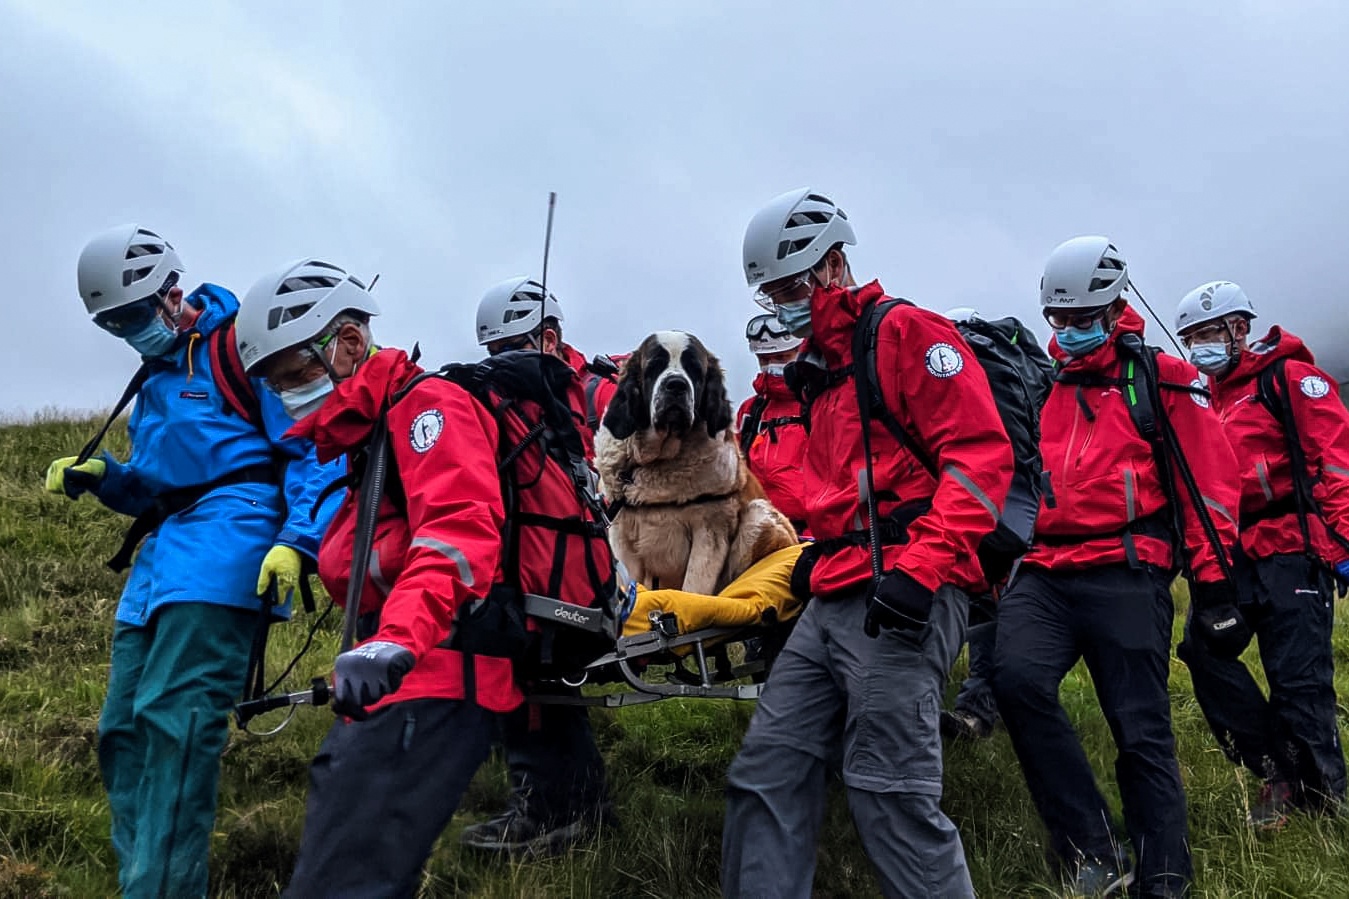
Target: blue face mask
<point>795,317</point>
<point>1210,358</point>
<point>1079,341</point>
<point>154,340</point>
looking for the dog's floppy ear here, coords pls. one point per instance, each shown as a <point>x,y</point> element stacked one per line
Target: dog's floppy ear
<point>715,406</point>
<point>628,410</point>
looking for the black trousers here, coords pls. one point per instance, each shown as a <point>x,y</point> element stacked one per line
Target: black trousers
<point>380,793</point>
<point>1292,735</point>
<point>1118,619</point>
<point>554,763</point>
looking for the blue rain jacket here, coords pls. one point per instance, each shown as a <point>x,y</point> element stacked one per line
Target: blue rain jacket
<point>181,436</point>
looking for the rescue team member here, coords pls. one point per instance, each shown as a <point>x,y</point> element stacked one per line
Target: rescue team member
<point>1290,740</point>
<point>382,787</point>
<point>771,426</point>
<point>1096,583</point>
<point>228,508</point>
<point>558,790</point>
<point>861,676</point>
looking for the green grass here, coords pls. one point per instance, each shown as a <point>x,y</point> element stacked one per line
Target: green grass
<point>666,761</point>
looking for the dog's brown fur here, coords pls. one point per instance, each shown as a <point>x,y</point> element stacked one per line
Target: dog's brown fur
<point>693,516</point>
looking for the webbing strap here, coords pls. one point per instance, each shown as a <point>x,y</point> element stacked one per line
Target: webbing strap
<point>133,387</point>
<point>231,378</point>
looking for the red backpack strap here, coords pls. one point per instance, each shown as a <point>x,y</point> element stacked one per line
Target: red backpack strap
<point>231,379</point>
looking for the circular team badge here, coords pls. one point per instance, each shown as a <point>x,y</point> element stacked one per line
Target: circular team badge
<point>1199,394</point>
<point>1314,386</point>
<point>944,360</point>
<point>426,430</point>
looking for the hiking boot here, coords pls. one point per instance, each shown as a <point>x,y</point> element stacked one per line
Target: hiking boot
<point>962,725</point>
<point>520,832</point>
<point>1270,811</point>
<point>1098,877</point>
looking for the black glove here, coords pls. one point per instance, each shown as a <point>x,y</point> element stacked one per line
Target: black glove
<point>898,602</point>
<point>366,674</point>
<point>805,564</point>
<point>1217,621</point>
<point>998,552</point>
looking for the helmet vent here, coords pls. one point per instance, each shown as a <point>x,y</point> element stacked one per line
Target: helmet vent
<point>787,247</point>
<point>515,315</point>
<point>135,274</point>
<point>307,283</point>
<point>137,250</point>
<point>807,217</point>
<point>278,315</point>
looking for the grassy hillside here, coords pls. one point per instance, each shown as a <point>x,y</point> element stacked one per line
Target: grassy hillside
<point>667,761</point>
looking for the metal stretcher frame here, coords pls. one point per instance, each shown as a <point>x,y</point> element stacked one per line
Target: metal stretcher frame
<point>705,671</point>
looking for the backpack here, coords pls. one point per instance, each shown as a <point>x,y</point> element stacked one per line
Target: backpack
<point>1020,375</point>
<point>1273,395</point>
<point>552,513</point>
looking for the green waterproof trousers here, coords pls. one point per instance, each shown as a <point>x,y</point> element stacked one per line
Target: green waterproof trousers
<point>163,727</point>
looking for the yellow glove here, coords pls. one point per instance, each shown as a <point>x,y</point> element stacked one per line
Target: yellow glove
<point>282,563</point>
<point>64,476</point>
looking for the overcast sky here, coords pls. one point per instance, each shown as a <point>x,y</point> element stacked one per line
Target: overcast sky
<point>419,140</point>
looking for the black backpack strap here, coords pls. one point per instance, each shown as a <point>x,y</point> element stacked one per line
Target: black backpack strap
<point>1142,388</point>
<point>749,428</point>
<point>231,378</point>
<point>133,387</point>
<point>371,493</point>
<point>870,398</point>
<point>1273,392</point>
<point>592,413</point>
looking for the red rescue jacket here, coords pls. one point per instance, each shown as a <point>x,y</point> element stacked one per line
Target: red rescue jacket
<point>1103,479</point>
<point>1270,525</point>
<point>939,393</point>
<point>589,396</point>
<point>776,451</point>
<point>445,549</point>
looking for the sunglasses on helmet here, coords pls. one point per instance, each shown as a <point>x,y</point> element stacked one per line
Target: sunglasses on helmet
<point>136,315</point>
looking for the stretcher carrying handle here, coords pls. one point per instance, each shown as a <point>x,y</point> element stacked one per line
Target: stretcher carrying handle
<point>318,694</point>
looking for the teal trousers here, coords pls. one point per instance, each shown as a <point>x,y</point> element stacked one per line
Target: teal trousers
<point>164,724</point>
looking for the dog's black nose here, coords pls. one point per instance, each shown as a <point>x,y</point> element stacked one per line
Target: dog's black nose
<point>675,385</point>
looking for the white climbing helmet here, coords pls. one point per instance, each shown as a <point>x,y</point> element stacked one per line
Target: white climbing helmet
<point>295,304</point>
<point>122,265</point>
<point>766,335</point>
<point>513,308</point>
<point>1210,302</point>
<point>792,234</point>
<point>1083,273</point>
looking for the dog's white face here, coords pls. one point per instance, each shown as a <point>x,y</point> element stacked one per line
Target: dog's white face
<point>670,384</point>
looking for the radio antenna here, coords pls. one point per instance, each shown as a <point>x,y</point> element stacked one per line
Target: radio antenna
<point>547,245</point>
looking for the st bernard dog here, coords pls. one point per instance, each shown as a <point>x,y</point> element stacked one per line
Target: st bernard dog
<point>690,515</point>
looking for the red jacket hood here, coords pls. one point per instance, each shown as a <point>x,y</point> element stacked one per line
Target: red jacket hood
<point>834,313</point>
<point>1105,357</point>
<point>772,386</point>
<point>344,421</point>
<point>1277,344</point>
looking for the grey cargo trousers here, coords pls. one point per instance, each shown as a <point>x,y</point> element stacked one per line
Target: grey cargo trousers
<point>835,692</point>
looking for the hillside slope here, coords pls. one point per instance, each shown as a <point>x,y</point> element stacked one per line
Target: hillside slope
<point>666,761</point>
